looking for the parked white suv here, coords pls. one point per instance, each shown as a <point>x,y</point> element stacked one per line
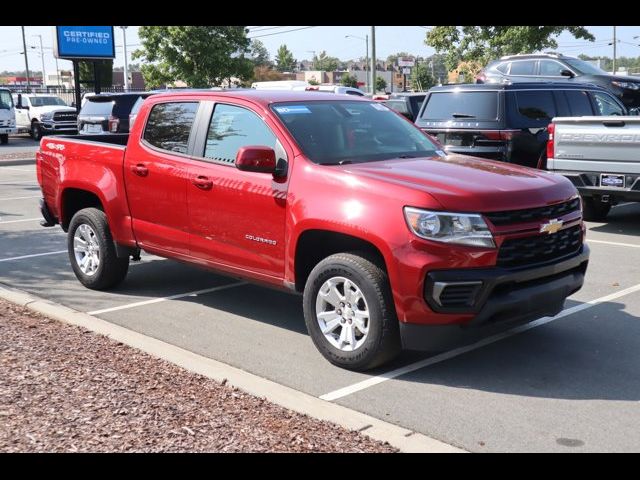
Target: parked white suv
<point>39,115</point>
<point>7,116</point>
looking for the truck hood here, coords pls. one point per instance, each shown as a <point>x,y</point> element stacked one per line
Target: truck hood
<point>467,184</point>
<point>51,108</point>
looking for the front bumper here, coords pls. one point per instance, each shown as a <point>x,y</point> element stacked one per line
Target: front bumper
<point>505,298</point>
<point>8,130</point>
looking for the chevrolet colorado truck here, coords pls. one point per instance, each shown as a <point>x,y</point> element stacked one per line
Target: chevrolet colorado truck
<point>391,242</point>
<point>600,157</point>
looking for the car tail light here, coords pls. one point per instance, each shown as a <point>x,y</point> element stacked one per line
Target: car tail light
<point>39,167</point>
<point>113,124</point>
<point>499,135</point>
<point>309,89</point>
<point>551,142</point>
<point>481,77</point>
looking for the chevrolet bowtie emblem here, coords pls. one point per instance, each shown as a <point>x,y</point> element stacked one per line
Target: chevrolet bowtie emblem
<point>552,227</point>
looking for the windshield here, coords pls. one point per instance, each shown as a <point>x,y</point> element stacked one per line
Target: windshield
<point>6,102</point>
<point>584,67</point>
<point>46,101</point>
<point>340,131</point>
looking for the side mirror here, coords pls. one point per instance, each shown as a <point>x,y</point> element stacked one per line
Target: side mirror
<point>567,73</point>
<point>634,111</point>
<point>256,159</point>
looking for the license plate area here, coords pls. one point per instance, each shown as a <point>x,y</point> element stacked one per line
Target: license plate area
<point>612,180</point>
<point>92,128</point>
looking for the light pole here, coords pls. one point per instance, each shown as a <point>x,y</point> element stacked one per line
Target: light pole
<point>44,73</point>
<point>313,59</point>
<point>26,59</point>
<point>126,66</point>
<point>366,61</point>
<point>373,60</point>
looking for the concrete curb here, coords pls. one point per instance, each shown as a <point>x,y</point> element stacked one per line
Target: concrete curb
<point>403,439</point>
<point>16,162</point>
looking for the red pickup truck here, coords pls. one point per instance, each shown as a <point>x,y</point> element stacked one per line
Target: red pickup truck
<point>392,242</point>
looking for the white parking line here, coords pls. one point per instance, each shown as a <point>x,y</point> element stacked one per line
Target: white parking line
<point>23,220</point>
<point>162,299</point>
<point>19,181</point>
<point>19,198</point>
<point>17,169</point>
<point>370,382</point>
<point>31,256</point>
<point>614,243</point>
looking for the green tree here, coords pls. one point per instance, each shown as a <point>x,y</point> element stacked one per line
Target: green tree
<point>485,43</point>
<point>421,79</point>
<point>104,70</point>
<point>349,80</point>
<point>325,62</point>
<point>259,54</point>
<point>381,84</point>
<point>201,56</point>
<point>284,59</point>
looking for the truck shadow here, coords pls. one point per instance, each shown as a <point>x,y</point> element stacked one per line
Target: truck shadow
<point>623,220</point>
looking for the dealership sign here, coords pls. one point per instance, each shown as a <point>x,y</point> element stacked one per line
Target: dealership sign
<point>78,43</point>
<point>406,62</point>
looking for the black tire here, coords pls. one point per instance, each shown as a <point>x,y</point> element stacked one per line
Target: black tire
<point>36,131</point>
<point>594,210</point>
<point>382,342</point>
<point>4,139</point>
<point>111,269</point>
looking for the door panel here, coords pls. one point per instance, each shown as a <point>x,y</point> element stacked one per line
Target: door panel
<point>156,176</point>
<point>240,220</point>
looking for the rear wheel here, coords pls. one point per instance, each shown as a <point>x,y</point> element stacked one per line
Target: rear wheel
<point>4,139</point>
<point>92,251</point>
<point>349,312</point>
<point>595,210</point>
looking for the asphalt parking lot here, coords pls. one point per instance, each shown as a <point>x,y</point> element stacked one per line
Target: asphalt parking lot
<point>565,384</point>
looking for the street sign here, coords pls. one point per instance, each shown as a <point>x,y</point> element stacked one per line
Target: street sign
<point>84,43</point>
<point>406,62</point>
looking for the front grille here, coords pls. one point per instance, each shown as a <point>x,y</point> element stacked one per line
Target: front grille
<point>520,252</point>
<point>65,117</point>
<point>531,214</point>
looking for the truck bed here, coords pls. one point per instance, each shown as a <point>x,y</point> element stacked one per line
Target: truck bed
<point>111,139</point>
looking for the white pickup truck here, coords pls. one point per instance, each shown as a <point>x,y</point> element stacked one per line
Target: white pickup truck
<point>601,156</point>
<point>42,114</point>
<point>7,116</point>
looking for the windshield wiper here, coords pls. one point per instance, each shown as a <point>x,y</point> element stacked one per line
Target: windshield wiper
<point>462,115</point>
<point>406,156</point>
<point>341,162</point>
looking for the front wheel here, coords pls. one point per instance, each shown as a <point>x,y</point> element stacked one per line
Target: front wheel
<point>349,312</point>
<point>595,210</point>
<point>36,131</point>
<point>92,251</point>
<point>4,139</point>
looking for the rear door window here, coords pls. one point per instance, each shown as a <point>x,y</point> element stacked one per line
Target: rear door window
<point>461,105</point>
<point>579,103</point>
<point>534,108</point>
<point>523,67</point>
<point>169,126</point>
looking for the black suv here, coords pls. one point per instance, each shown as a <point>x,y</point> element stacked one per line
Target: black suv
<point>508,122</point>
<point>559,68</point>
<point>406,103</point>
<point>107,112</point>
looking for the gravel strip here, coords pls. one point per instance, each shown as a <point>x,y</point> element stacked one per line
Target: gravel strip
<point>17,156</point>
<point>66,389</point>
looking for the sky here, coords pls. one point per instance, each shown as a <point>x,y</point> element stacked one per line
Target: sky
<point>302,41</point>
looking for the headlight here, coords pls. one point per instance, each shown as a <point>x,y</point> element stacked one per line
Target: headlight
<point>46,116</point>
<point>459,228</point>
<point>627,85</point>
